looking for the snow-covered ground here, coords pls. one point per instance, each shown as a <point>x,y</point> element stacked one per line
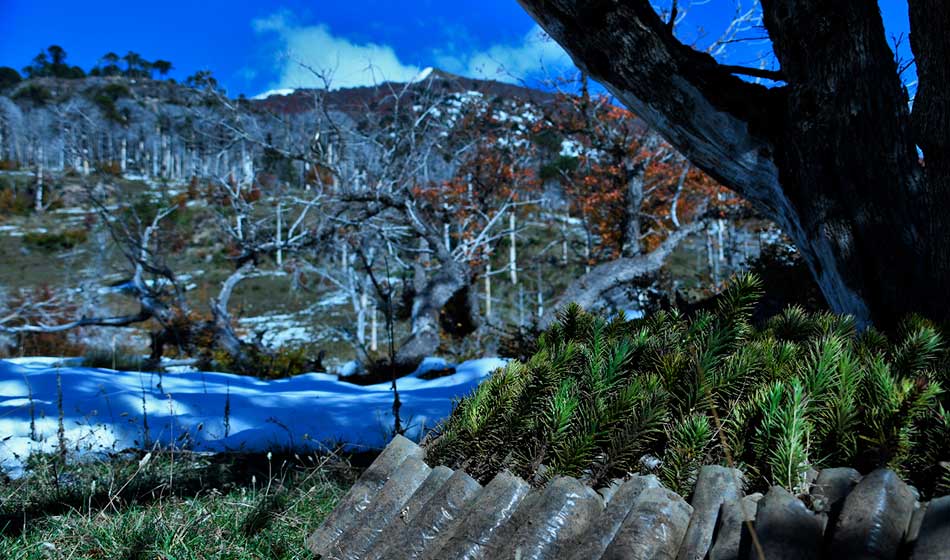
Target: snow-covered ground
<point>105,411</point>
<point>270,92</point>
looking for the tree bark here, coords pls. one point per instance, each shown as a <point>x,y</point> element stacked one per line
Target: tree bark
<point>512,249</point>
<point>588,290</point>
<point>38,199</point>
<point>930,43</point>
<point>830,156</point>
<point>427,307</point>
<point>633,200</point>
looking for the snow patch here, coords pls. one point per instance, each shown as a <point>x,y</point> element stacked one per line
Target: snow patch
<point>107,411</point>
<point>423,75</point>
<point>273,92</point>
<point>570,148</point>
<point>278,329</point>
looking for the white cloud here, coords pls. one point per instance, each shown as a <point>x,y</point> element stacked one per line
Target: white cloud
<point>534,54</point>
<point>305,48</point>
<point>350,64</point>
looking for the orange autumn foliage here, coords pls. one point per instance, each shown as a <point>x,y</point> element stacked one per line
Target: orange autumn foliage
<point>493,172</point>
<point>614,149</point>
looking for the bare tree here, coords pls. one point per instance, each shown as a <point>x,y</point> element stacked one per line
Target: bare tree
<point>588,290</point>
<point>421,187</point>
<point>830,152</point>
<point>161,293</point>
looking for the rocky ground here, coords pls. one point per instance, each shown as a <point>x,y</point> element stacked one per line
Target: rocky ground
<point>402,508</point>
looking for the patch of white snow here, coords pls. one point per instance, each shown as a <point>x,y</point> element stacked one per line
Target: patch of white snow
<point>105,411</point>
<point>273,92</point>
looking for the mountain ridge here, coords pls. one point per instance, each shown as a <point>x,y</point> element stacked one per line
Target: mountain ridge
<point>288,100</point>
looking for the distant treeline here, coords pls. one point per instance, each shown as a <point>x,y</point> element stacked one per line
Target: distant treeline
<point>52,63</point>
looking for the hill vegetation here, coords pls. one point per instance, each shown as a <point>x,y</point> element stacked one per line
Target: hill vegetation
<point>51,63</point>
<point>439,212</point>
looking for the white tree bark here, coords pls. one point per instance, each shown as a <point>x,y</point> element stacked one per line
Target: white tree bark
<point>123,156</point>
<point>587,253</point>
<point>361,317</point>
<point>711,258</point>
<point>280,245</point>
<point>512,249</point>
<point>488,290</point>
<point>720,241</point>
<point>154,155</point>
<point>247,167</point>
<point>373,331</point>
<point>38,202</point>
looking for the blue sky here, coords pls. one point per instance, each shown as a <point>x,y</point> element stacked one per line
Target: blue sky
<point>253,46</point>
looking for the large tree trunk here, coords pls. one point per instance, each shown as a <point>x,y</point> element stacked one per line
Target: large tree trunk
<point>849,165</point>
<point>449,284</point>
<point>831,156</point>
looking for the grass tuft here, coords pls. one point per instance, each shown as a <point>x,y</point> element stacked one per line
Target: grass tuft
<point>238,507</point>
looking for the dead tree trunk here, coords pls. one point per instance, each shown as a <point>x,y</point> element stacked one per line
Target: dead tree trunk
<point>633,200</point>
<point>450,283</point>
<point>38,199</point>
<point>588,290</point>
<point>512,249</point>
<point>831,156</point>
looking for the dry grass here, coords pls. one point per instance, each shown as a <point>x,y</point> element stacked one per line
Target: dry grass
<point>168,506</point>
